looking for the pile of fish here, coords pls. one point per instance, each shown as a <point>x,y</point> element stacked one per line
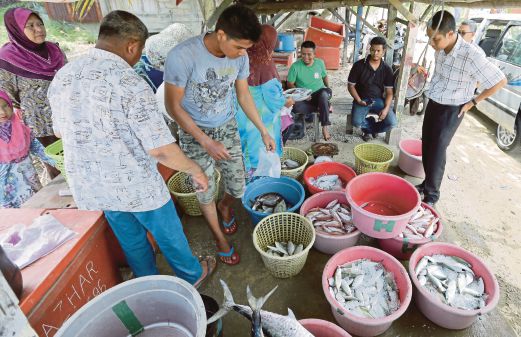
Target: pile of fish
<point>365,289</point>
<point>334,219</point>
<point>269,203</point>
<point>452,280</point>
<point>327,182</point>
<point>289,164</point>
<point>422,225</point>
<point>283,249</point>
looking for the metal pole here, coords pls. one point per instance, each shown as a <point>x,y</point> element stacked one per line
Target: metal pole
<point>346,39</point>
<point>359,13</point>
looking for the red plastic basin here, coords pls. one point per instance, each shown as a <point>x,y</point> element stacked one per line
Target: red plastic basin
<point>325,243</point>
<point>344,172</point>
<point>389,202</point>
<point>439,312</point>
<point>410,158</point>
<point>403,249</point>
<point>366,326</point>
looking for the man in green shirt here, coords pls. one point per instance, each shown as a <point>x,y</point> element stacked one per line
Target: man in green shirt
<point>310,73</point>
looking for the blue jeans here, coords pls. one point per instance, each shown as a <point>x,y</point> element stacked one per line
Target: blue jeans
<point>369,125</point>
<point>131,230</point>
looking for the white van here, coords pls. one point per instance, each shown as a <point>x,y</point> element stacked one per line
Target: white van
<point>500,37</point>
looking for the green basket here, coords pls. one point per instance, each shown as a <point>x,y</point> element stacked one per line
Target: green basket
<point>180,185</point>
<point>284,227</point>
<point>297,155</point>
<point>55,151</point>
<point>372,158</point>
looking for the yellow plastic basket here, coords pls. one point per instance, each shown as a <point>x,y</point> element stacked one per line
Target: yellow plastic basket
<point>284,227</point>
<point>55,151</point>
<point>297,155</point>
<point>180,185</point>
<point>372,158</point>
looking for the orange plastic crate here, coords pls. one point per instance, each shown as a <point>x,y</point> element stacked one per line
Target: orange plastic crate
<point>323,39</point>
<point>319,23</point>
<point>330,56</point>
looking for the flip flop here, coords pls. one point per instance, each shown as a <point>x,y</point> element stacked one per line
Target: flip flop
<point>230,227</point>
<point>211,263</point>
<point>234,257</point>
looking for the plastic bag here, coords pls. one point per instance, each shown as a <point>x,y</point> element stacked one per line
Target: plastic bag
<point>26,244</point>
<point>285,118</point>
<point>268,165</point>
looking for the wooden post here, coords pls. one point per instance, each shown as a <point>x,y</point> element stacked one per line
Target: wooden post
<point>359,12</point>
<point>391,33</point>
<point>213,19</point>
<point>12,320</point>
<point>393,137</point>
<point>346,38</point>
<point>277,26</point>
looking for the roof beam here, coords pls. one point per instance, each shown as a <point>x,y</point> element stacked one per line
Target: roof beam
<point>404,11</point>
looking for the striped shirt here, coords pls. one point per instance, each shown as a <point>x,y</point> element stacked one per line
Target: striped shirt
<point>458,72</point>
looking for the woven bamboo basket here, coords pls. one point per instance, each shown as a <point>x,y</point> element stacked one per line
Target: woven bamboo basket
<point>284,227</point>
<point>180,185</point>
<point>55,151</point>
<point>297,155</point>
<point>372,158</point>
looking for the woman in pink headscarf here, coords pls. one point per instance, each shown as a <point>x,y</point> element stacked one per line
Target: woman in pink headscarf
<point>266,90</point>
<point>28,64</point>
<point>18,179</point>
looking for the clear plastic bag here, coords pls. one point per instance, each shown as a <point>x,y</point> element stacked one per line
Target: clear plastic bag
<point>268,165</point>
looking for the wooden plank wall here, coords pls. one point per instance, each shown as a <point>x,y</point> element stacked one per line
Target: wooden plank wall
<point>65,12</point>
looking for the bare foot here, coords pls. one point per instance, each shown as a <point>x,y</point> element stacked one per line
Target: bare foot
<point>325,133</point>
<point>208,264</point>
<point>227,254</point>
<point>228,220</point>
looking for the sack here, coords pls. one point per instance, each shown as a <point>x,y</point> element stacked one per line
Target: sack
<point>269,164</point>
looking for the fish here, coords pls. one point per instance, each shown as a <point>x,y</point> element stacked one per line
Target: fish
<point>452,281</point>
<point>334,219</point>
<point>422,224</point>
<point>273,324</point>
<point>289,164</point>
<point>327,182</point>
<point>282,249</point>
<point>269,203</point>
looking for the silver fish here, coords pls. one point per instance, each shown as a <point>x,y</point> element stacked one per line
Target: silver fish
<point>273,325</point>
<point>334,219</point>
<point>289,164</point>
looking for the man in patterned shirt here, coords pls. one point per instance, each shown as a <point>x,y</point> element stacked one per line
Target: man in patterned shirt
<point>113,136</point>
<point>459,67</point>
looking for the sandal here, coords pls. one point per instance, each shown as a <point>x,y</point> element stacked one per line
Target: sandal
<point>230,227</point>
<point>211,263</point>
<point>234,257</point>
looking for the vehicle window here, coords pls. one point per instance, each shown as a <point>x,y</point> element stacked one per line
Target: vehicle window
<point>510,47</point>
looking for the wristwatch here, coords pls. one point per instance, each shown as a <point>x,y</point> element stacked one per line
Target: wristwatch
<point>473,100</point>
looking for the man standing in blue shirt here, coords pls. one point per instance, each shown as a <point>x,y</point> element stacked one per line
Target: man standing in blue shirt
<point>200,75</point>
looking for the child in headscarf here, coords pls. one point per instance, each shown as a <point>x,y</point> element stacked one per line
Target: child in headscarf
<point>18,179</point>
<point>266,90</point>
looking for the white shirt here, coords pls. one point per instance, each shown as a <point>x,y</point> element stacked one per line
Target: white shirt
<point>457,73</point>
<point>108,118</point>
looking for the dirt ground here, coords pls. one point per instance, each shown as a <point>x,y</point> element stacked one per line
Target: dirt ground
<point>479,202</point>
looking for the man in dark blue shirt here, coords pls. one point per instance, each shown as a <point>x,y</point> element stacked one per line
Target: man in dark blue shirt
<point>370,82</point>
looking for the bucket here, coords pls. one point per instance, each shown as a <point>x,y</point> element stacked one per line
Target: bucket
<point>410,157</point>
<point>211,306</point>
<point>289,188</point>
<point>344,172</point>
<point>367,326</point>
<point>401,248</point>
<point>389,202</point>
<point>441,313</point>
<point>286,43</point>
<point>321,328</point>
<point>329,244</point>
<point>151,306</point>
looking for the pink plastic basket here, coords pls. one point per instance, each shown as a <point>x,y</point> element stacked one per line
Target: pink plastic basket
<point>366,326</point>
<point>321,328</point>
<point>403,249</point>
<point>410,158</point>
<point>440,313</point>
<point>329,244</point>
<point>388,203</point>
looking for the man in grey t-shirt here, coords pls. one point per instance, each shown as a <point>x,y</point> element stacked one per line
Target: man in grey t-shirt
<point>201,75</point>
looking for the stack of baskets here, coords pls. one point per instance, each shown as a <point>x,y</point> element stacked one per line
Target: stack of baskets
<point>284,227</point>
<point>372,158</point>
<point>55,152</point>
<point>297,155</point>
<point>181,187</point>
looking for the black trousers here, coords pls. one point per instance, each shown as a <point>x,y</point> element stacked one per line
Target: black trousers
<point>439,126</point>
<point>319,102</point>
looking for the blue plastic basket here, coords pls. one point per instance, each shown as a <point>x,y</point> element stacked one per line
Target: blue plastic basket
<point>289,188</point>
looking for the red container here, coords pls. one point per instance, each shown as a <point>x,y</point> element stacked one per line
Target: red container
<point>330,56</point>
<point>388,203</point>
<point>441,313</point>
<point>60,283</point>
<point>366,326</point>
<point>343,171</point>
<point>321,328</point>
<point>319,23</point>
<point>325,243</point>
<point>403,249</point>
<point>322,38</point>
